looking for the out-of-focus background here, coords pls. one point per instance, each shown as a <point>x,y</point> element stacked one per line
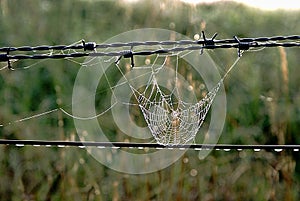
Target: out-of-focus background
<point>263,104</point>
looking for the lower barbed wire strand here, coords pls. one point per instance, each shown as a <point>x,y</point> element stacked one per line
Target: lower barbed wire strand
<point>227,147</point>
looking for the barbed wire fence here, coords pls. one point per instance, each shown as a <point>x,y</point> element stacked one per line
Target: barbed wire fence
<point>89,49</point>
<point>92,49</point>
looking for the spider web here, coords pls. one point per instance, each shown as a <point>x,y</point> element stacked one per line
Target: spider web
<point>172,125</point>
<point>169,117</point>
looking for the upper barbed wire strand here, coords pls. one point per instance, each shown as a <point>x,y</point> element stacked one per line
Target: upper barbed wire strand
<point>93,45</point>
<point>6,57</point>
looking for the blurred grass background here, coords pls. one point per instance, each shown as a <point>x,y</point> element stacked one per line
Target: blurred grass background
<point>263,105</point>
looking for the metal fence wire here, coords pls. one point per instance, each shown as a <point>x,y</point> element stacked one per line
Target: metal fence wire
<point>90,49</point>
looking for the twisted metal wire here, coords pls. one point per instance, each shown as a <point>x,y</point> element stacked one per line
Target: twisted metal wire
<point>93,45</point>
<point>90,48</point>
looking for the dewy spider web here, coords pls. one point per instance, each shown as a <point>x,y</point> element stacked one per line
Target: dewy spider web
<point>172,120</point>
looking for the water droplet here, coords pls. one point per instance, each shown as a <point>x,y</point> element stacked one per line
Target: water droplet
<point>61,146</point>
<point>147,61</point>
<point>193,172</point>
<point>256,150</point>
<point>278,150</point>
<point>19,145</point>
<point>36,145</point>
<point>240,149</point>
<point>82,146</point>
<point>100,147</point>
<point>226,149</point>
<point>296,149</point>
<point>196,37</point>
<point>185,160</point>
